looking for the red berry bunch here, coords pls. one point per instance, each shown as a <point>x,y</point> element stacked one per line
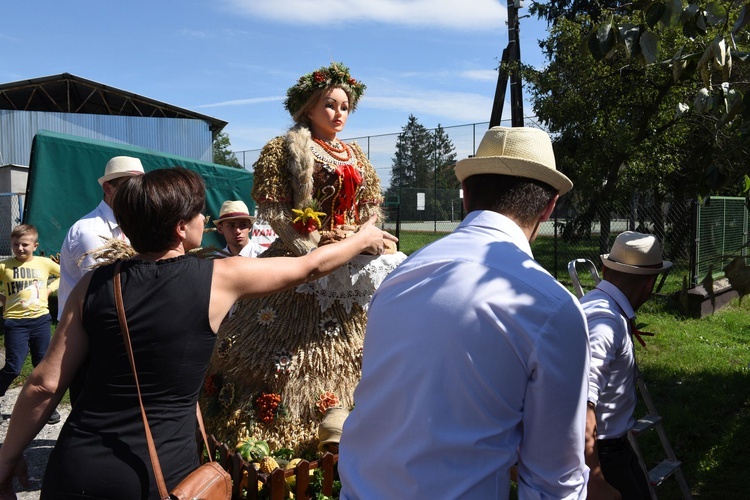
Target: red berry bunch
<point>267,404</point>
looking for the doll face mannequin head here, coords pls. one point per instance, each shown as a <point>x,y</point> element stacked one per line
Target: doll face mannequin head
<point>328,116</point>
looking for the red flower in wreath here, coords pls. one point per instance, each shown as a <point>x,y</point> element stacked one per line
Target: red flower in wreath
<point>319,77</point>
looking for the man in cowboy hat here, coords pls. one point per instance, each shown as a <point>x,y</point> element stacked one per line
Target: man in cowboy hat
<point>234,224</point>
<point>91,232</point>
<point>629,272</point>
<point>475,357</point>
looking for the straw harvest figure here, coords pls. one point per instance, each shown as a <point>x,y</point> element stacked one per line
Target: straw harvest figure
<point>282,361</point>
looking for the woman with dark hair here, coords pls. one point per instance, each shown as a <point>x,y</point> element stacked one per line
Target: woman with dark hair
<point>283,361</point>
<point>174,304</point>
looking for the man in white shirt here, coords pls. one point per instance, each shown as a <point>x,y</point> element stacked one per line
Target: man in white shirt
<point>234,224</point>
<point>475,357</point>
<point>629,274</point>
<point>93,229</point>
<point>89,233</point>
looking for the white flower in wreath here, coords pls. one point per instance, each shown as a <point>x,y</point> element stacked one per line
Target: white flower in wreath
<point>283,362</point>
<point>266,316</point>
<point>330,326</point>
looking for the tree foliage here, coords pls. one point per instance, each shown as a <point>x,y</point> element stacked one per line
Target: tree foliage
<point>412,163</point>
<point>688,61</point>
<point>445,160</point>
<point>423,162</point>
<point>222,152</point>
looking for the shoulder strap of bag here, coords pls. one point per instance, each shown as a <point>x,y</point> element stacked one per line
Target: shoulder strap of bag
<point>160,483</point>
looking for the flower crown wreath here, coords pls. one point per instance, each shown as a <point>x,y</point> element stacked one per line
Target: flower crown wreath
<point>335,75</point>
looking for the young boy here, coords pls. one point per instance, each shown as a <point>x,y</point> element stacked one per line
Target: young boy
<point>23,295</point>
<point>234,224</point>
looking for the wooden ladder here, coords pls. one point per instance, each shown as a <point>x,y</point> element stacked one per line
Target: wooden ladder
<point>668,467</point>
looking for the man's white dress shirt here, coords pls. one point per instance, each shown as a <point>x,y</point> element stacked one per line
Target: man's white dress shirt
<point>475,359</point>
<point>252,249</point>
<point>612,372</point>
<point>88,233</point>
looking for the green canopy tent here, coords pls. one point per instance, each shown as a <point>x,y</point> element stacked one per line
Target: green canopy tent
<point>62,185</point>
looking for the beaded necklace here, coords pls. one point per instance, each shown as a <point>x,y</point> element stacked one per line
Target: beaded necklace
<point>342,154</point>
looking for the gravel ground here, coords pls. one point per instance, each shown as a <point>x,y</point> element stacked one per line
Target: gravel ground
<point>39,449</point>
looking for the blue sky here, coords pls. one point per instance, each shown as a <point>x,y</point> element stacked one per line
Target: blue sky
<point>234,59</point>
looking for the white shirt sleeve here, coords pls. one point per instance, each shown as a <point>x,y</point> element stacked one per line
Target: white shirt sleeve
<point>555,411</point>
<point>603,351</point>
<point>86,242</point>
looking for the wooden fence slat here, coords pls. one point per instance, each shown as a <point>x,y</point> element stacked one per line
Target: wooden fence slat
<point>327,465</point>
<point>277,484</point>
<point>245,476</point>
<point>302,473</point>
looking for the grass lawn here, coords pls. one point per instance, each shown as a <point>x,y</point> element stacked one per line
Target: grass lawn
<point>698,373</point>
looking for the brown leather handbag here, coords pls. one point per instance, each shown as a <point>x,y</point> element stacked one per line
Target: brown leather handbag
<point>209,481</point>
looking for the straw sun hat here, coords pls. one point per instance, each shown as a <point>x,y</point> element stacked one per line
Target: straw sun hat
<point>636,253</point>
<point>517,151</point>
<point>329,431</point>
<point>121,166</point>
<point>232,210</point>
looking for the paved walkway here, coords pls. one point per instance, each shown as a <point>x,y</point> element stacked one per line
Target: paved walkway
<point>39,449</point>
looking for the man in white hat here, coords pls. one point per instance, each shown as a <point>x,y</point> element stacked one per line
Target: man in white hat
<point>234,224</point>
<point>629,273</point>
<point>91,231</point>
<point>475,357</point>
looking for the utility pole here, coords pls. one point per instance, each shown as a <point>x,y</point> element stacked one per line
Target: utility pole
<point>511,57</point>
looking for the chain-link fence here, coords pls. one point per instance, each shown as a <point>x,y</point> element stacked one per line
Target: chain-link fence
<point>423,216</point>
<point>11,209</point>
<point>381,149</point>
<point>695,238</point>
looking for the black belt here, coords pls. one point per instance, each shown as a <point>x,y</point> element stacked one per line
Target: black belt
<point>610,443</point>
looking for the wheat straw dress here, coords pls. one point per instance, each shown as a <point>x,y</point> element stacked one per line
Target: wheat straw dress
<point>281,360</point>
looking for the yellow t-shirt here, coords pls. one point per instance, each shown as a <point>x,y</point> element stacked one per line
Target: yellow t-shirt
<point>25,287</point>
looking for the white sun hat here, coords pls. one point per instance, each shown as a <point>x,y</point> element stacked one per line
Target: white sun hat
<point>636,253</point>
<point>121,166</point>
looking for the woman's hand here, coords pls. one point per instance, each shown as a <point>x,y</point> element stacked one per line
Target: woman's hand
<point>7,473</point>
<point>376,240</point>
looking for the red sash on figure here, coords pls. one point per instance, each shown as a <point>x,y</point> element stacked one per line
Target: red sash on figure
<point>350,182</point>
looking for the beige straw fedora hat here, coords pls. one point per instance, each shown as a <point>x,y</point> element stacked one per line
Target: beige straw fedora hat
<point>121,166</point>
<point>636,253</point>
<point>233,209</point>
<point>517,151</point>
<point>329,431</point>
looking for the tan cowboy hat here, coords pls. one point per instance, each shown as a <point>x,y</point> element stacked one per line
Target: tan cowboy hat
<point>517,151</point>
<point>233,209</point>
<point>121,166</point>
<point>636,253</point>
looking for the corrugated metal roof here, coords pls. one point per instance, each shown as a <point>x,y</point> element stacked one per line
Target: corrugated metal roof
<point>66,93</point>
<point>185,137</point>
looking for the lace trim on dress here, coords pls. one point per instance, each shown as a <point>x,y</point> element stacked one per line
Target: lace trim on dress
<point>353,283</point>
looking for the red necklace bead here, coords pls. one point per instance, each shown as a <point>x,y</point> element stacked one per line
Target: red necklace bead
<point>334,152</point>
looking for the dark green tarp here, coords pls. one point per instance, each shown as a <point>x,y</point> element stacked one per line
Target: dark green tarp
<point>62,185</point>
